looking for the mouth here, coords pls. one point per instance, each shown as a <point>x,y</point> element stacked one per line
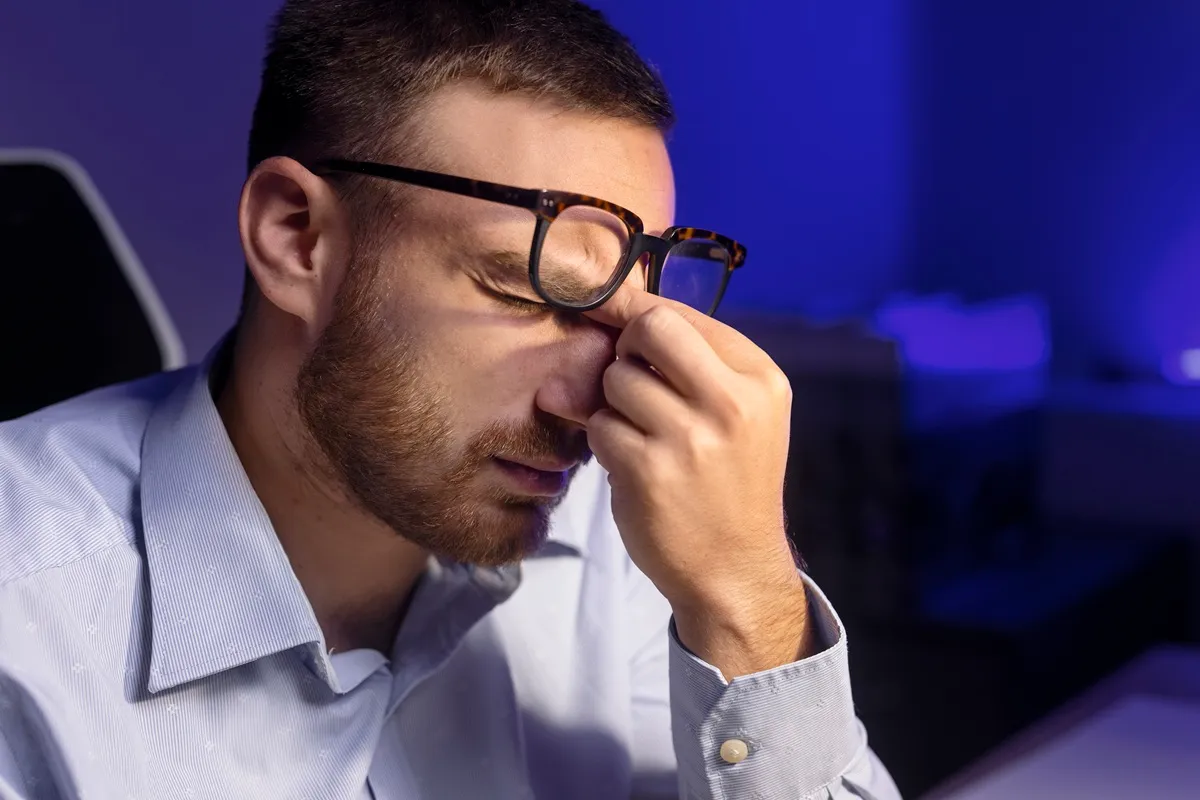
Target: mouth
<point>537,478</point>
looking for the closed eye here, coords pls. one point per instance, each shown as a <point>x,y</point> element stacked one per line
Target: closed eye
<point>509,270</point>
<point>522,304</point>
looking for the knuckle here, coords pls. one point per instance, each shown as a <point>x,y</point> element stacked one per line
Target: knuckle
<point>613,378</point>
<point>598,426</point>
<point>602,438</point>
<point>778,387</point>
<point>656,470</point>
<point>748,402</point>
<point>726,412</point>
<point>704,446</point>
<point>740,411</point>
<point>656,320</point>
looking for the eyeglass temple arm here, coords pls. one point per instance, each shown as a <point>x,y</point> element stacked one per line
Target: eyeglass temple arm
<point>469,187</point>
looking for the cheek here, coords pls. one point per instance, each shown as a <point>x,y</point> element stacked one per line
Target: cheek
<point>485,363</point>
<point>494,373</point>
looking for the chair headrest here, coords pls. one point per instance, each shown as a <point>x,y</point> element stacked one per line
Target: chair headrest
<point>77,310</point>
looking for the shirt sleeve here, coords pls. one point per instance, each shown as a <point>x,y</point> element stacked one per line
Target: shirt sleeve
<point>795,725</point>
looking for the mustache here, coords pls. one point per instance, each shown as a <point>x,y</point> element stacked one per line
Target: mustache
<point>538,439</point>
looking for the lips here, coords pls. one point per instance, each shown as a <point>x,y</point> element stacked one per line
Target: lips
<point>555,465</point>
<point>547,479</point>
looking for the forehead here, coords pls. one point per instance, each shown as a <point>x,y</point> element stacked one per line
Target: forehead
<point>516,139</point>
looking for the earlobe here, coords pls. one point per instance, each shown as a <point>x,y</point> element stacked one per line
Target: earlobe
<point>287,219</point>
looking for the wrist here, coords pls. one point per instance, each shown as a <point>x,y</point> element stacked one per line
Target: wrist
<point>752,629</point>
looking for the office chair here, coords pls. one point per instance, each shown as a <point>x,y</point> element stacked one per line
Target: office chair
<point>77,310</point>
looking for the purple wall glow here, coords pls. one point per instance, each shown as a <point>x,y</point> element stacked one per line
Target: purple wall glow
<point>988,150</point>
<point>794,138</point>
<point>941,334</point>
<point>154,100</point>
<point>792,135</point>
<point>1058,154</point>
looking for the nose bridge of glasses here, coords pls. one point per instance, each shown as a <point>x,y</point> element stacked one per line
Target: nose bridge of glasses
<point>648,244</point>
<point>654,250</point>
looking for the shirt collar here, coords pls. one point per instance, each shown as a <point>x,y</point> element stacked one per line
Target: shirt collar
<point>222,591</point>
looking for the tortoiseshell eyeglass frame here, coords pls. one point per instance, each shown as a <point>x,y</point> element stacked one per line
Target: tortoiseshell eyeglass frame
<point>547,205</point>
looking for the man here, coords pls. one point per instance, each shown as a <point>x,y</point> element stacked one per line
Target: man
<point>339,559</point>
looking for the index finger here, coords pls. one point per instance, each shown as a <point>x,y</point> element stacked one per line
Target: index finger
<point>630,302</point>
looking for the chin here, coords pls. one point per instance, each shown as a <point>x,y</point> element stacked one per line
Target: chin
<point>521,532</point>
<point>500,533</point>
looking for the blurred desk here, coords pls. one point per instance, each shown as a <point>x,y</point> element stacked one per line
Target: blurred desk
<point>982,656</point>
<point>1123,453</point>
<point>1135,734</point>
<point>913,496</point>
<point>1126,453</point>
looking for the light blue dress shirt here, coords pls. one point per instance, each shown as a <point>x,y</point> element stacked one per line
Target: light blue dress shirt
<point>155,643</point>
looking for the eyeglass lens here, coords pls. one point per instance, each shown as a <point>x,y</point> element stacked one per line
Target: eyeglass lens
<point>585,248</point>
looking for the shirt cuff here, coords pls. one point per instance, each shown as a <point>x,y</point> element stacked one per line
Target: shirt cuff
<point>796,721</point>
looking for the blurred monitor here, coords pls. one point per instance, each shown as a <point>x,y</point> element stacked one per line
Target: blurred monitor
<point>77,310</point>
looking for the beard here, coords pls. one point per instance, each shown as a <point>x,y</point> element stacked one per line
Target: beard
<point>381,423</point>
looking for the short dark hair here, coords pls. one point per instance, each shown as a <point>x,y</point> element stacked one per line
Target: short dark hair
<point>343,76</point>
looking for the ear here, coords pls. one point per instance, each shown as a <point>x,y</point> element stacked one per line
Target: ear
<point>295,237</point>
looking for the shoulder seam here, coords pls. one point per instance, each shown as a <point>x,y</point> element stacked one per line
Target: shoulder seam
<point>5,582</point>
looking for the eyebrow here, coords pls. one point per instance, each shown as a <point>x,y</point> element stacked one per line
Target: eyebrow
<point>565,286</point>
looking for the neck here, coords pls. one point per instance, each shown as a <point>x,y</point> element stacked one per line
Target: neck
<point>358,574</point>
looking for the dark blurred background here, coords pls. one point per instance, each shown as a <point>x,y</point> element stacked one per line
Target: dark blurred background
<point>974,234</point>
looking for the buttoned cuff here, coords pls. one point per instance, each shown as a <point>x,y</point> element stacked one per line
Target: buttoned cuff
<point>796,722</point>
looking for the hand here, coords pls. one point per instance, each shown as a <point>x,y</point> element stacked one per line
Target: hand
<point>695,440</point>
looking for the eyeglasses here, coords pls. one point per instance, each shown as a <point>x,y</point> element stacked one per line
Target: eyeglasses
<point>584,248</point>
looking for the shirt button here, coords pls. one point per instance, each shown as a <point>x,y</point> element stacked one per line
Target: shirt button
<point>734,751</point>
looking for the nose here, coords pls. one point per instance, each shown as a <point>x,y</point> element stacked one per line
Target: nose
<point>574,391</point>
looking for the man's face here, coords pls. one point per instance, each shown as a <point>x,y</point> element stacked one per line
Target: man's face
<point>449,410</point>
